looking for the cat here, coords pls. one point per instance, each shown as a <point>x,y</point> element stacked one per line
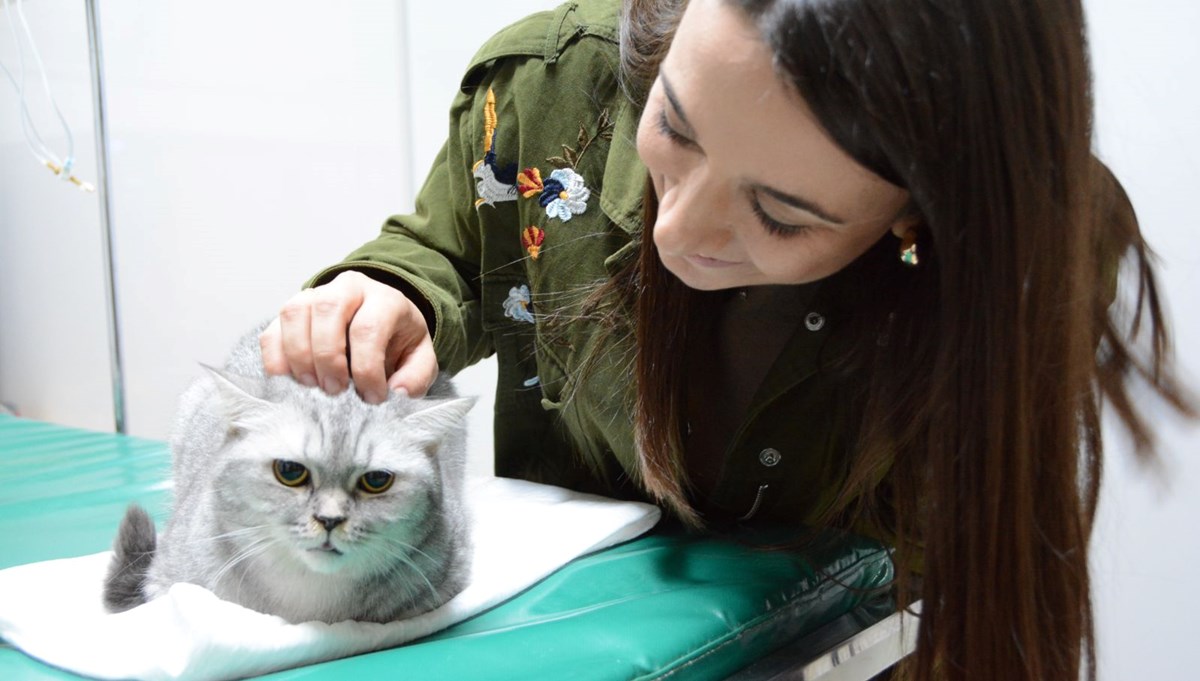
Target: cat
<point>308,506</point>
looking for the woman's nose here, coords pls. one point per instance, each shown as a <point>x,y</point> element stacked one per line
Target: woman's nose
<point>693,218</point>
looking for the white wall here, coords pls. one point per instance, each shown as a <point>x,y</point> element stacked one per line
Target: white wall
<point>53,353</point>
<point>251,144</point>
<point>254,142</point>
<point>1146,58</point>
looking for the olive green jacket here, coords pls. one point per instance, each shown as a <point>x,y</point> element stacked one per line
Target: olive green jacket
<point>534,200</point>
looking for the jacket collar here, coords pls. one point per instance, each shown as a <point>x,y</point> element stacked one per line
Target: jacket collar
<point>624,175</point>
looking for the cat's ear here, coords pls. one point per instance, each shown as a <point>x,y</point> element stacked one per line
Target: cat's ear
<point>239,396</point>
<point>430,425</point>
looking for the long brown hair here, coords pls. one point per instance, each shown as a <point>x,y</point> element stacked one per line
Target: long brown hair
<point>980,440</point>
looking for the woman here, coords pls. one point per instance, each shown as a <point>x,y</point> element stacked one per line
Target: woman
<point>857,255</point>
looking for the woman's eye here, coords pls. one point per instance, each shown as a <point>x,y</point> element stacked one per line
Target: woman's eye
<point>773,226</point>
<point>375,482</point>
<point>664,128</point>
<point>290,473</point>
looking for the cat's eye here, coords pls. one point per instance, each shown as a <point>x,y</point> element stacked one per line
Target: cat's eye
<point>376,482</point>
<point>290,473</point>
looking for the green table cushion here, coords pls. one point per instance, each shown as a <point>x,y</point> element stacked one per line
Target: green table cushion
<point>664,605</point>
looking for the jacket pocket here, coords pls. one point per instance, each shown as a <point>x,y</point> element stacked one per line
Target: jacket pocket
<point>523,338</point>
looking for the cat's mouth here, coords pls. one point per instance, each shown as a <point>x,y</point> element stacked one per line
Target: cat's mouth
<point>327,547</point>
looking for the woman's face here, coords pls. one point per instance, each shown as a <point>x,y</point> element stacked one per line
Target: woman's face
<point>750,188</point>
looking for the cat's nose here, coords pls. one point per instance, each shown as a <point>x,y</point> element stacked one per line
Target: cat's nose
<point>329,522</point>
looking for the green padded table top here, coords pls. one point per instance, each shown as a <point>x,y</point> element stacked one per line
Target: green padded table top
<point>664,605</point>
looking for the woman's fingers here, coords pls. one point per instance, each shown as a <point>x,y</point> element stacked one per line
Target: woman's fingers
<point>376,323</point>
<point>271,343</point>
<point>383,336</point>
<point>294,343</point>
<point>333,306</point>
<point>354,327</point>
<point>416,368</point>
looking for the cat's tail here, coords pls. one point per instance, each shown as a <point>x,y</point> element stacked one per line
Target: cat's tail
<point>133,550</point>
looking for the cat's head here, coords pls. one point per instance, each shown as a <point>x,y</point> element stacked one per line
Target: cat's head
<point>334,484</point>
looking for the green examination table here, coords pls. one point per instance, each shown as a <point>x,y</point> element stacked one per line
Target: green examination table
<point>665,605</point>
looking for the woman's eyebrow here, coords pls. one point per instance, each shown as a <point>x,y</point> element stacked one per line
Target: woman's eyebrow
<point>798,202</point>
<point>674,101</point>
<point>782,197</point>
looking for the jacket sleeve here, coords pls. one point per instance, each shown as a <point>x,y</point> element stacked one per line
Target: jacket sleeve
<point>537,90</point>
<point>526,212</point>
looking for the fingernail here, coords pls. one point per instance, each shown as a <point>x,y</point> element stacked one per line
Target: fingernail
<point>333,386</point>
<point>401,391</point>
<point>308,380</point>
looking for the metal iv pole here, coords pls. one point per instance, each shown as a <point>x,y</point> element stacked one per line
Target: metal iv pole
<point>106,241</point>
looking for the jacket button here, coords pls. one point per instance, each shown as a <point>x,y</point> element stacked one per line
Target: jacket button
<point>769,457</point>
<point>814,321</point>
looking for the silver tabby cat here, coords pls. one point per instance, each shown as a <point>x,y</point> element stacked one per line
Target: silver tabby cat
<point>295,503</point>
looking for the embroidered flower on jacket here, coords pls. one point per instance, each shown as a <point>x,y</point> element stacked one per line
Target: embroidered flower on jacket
<point>532,238</point>
<point>565,195</point>
<point>529,182</point>
<point>516,306</point>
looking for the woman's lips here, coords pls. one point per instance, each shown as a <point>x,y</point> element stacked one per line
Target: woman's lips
<point>707,262</point>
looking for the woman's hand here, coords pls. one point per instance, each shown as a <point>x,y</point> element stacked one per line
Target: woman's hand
<point>352,327</point>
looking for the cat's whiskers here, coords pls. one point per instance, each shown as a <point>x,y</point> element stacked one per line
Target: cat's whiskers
<point>372,531</point>
<point>404,556</point>
<point>383,564</point>
<point>232,534</point>
<point>412,584</point>
<point>244,573</point>
<point>407,547</point>
<point>251,550</point>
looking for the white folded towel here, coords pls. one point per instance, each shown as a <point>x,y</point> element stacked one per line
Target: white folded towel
<point>522,533</point>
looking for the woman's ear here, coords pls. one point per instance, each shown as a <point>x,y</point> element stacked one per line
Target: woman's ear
<point>905,222</point>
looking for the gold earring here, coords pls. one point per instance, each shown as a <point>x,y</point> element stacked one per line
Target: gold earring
<point>908,248</point>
